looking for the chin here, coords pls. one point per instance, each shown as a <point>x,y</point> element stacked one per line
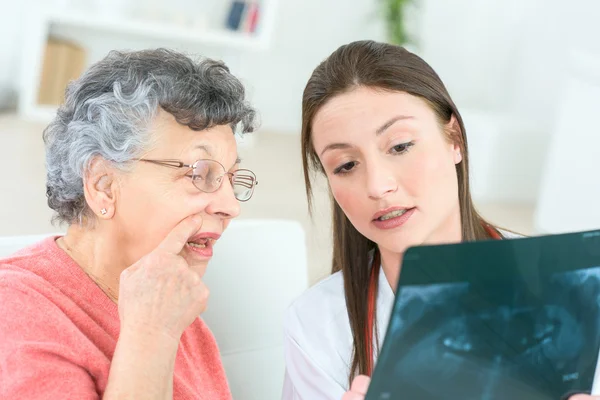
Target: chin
<point>199,267</point>
<point>399,243</point>
<point>196,262</point>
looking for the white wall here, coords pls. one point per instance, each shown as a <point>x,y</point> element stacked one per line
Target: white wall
<point>305,33</point>
<point>505,54</point>
<point>11,15</point>
<point>503,62</point>
<point>491,54</point>
<point>497,57</point>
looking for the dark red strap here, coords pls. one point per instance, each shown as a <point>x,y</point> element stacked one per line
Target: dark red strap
<point>371,310</point>
<point>493,232</point>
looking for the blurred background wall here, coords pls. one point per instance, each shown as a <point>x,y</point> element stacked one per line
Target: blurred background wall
<point>525,75</point>
<point>507,64</point>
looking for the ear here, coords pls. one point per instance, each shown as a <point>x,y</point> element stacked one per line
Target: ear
<point>455,135</point>
<point>100,187</point>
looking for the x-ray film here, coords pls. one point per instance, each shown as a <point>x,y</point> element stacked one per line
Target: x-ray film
<point>494,320</point>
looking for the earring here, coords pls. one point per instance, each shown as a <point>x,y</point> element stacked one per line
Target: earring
<point>103,211</point>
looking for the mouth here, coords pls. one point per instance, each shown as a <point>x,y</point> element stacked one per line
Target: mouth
<point>392,217</point>
<point>390,213</point>
<point>202,243</point>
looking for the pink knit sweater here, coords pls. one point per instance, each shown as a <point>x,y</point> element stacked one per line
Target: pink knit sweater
<point>58,333</point>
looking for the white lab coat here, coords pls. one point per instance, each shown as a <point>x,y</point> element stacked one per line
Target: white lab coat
<point>318,339</point>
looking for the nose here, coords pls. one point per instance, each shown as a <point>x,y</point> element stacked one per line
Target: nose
<point>223,202</point>
<point>380,179</point>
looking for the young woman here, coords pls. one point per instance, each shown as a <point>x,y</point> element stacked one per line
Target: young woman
<point>379,123</point>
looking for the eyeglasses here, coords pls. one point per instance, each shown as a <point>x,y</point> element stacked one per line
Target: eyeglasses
<point>207,176</point>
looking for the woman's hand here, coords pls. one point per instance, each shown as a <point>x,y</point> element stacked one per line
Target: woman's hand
<point>360,384</point>
<point>160,294</point>
<point>358,389</point>
<point>159,297</point>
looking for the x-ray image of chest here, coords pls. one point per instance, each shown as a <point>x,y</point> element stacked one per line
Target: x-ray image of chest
<point>453,341</point>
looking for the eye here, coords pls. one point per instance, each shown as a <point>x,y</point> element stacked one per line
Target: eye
<point>345,168</point>
<point>195,177</point>
<point>401,148</point>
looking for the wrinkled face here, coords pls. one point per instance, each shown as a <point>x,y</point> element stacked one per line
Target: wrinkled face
<point>153,199</point>
<point>390,166</point>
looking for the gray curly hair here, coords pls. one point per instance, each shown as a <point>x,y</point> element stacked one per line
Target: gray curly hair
<point>108,112</point>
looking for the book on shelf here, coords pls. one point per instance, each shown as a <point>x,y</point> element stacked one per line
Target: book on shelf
<point>243,16</point>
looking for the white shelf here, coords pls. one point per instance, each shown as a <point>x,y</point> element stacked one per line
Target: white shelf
<point>161,31</point>
<point>42,113</point>
<point>39,23</point>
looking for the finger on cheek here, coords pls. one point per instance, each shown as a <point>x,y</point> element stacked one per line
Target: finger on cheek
<point>198,220</point>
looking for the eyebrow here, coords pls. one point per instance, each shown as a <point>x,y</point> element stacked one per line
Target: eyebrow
<point>335,146</point>
<point>207,150</point>
<point>391,122</point>
<point>379,131</point>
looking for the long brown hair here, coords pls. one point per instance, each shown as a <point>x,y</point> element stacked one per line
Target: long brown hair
<point>385,67</point>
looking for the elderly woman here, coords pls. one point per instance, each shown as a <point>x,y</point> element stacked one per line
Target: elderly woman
<point>142,166</point>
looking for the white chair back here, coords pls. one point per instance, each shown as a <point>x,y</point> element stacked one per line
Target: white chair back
<point>10,244</point>
<point>258,269</point>
<point>570,189</point>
